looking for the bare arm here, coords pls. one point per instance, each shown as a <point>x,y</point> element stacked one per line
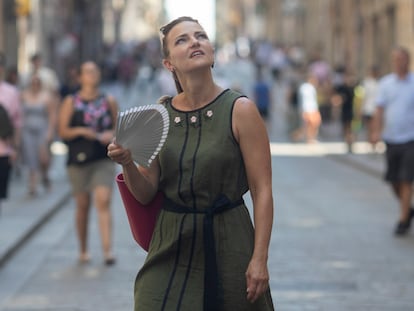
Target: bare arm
<point>142,182</point>
<point>377,125</point>
<point>52,116</point>
<point>107,136</point>
<point>251,133</point>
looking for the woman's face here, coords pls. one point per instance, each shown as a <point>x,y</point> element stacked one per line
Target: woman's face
<point>189,48</point>
<point>89,74</point>
<point>36,83</point>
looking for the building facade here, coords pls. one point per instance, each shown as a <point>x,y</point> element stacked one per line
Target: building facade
<point>67,32</point>
<point>8,32</point>
<point>353,33</point>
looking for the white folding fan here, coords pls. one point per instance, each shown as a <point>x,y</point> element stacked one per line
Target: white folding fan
<point>143,130</point>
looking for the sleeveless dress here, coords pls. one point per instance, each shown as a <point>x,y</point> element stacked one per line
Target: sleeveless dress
<point>203,240</point>
<point>34,133</point>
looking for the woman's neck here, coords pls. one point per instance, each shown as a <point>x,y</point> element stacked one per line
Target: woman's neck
<point>88,92</point>
<point>198,92</point>
<point>35,91</point>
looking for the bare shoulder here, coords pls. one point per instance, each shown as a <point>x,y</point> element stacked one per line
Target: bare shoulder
<point>245,109</point>
<point>67,104</point>
<point>111,100</point>
<point>246,116</point>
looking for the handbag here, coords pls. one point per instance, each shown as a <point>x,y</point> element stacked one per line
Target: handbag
<point>141,217</point>
<point>82,151</point>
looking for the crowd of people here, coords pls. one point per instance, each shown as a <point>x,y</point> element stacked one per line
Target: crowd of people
<point>377,105</point>
<point>35,110</point>
<point>318,92</point>
<point>344,98</point>
<point>32,102</point>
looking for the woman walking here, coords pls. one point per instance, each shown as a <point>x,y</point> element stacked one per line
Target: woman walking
<point>39,128</point>
<point>86,123</point>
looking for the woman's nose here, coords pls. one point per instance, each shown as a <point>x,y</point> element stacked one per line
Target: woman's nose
<point>194,41</point>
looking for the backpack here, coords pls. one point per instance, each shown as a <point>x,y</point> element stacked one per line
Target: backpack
<point>6,125</point>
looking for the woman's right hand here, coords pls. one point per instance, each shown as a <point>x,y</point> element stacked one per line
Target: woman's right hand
<point>119,154</point>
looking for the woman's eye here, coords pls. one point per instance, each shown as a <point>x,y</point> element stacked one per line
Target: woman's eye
<point>181,40</point>
<point>202,35</point>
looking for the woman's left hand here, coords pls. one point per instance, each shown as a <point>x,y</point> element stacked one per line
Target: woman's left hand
<point>257,279</point>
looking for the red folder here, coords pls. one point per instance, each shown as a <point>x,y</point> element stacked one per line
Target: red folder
<point>141,218</point>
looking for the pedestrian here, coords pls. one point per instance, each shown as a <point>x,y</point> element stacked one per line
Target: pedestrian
<point>293,104</point>
<point>7,153</point>
<point>322,70</point>
<point>39,129</point>
<point>262,93</point>
<point>71,83</point>
<point>394,119</point>
<point>343,97</point>
<point>50,80</point>
<point>12,76</point>
<point>86,123</point>
<point>311,116</point>
<point>370,89</point>
<point>10,128</point>
<point>216,150</point>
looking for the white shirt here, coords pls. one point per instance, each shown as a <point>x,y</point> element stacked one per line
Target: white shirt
<point>308,98</point>
<point>370,86</point>
<point>396,96</point>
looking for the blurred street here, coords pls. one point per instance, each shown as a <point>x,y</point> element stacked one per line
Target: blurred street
<point>332,246</point>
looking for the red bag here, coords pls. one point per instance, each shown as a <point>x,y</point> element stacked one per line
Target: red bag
<point>141,218</point>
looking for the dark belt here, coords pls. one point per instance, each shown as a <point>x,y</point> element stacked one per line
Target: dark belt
<point>211,280</point>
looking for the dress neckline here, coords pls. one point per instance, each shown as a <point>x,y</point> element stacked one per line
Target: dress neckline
<point>198,109</point>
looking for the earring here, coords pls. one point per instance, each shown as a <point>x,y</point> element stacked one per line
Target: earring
<point>212,65</point>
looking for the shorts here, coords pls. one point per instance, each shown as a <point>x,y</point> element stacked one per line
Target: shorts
<point>86,177</point>
<point>5,169</point>
<point>400,162</point>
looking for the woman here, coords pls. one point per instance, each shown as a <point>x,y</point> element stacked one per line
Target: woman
<point>86,123</point>
<point>39,113</point>
<point>204,254</point>
<point>310,110</point>
<point>7,153</point>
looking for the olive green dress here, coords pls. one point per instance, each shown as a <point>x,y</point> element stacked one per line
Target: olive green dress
<point>203,239</point>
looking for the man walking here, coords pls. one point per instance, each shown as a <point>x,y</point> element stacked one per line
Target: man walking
<point>394,118</point>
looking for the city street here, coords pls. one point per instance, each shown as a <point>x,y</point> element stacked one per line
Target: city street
<point>332,247</point>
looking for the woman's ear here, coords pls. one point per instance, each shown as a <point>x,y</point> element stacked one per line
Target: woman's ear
<point>167,64</point>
